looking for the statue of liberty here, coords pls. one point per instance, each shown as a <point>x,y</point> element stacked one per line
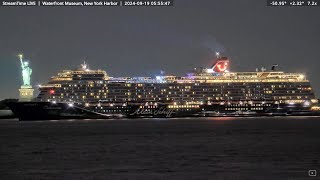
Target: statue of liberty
<point>26,71</point>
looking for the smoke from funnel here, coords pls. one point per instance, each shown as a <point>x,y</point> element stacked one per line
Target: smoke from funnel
<point>213,45</point>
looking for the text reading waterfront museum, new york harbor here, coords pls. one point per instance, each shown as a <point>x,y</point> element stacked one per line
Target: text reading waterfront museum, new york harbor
<point>61,3</point>
<point>90,3</point>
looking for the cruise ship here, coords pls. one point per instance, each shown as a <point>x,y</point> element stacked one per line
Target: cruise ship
<point>216,91</point>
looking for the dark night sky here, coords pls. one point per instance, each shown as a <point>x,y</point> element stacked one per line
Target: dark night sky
<point>141,41</point>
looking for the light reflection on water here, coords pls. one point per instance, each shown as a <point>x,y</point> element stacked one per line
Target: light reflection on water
<point>222,118</point>
<point>169,119</point>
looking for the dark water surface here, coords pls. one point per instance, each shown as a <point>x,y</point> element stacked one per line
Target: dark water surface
<point>189,148</point>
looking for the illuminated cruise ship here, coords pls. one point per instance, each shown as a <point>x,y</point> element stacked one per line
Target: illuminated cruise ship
<point>212,91</point>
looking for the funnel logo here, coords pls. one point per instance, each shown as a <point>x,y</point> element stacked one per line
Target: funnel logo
<point>221,66</point>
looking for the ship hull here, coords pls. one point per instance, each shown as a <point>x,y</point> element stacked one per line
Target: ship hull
<point>30,111</point>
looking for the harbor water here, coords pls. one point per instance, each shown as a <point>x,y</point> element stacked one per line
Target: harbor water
<point>182,148</point>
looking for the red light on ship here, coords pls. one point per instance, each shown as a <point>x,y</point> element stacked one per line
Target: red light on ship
<point>51,91</point>
<point>221,65</point>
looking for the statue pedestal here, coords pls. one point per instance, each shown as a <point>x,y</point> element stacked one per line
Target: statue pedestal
<point>26,93</point>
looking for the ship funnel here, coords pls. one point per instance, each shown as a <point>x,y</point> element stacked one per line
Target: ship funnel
<point>274,67</point>
<point>221,64</point>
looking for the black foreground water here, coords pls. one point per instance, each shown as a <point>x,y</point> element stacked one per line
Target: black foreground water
<point>189,148</point>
